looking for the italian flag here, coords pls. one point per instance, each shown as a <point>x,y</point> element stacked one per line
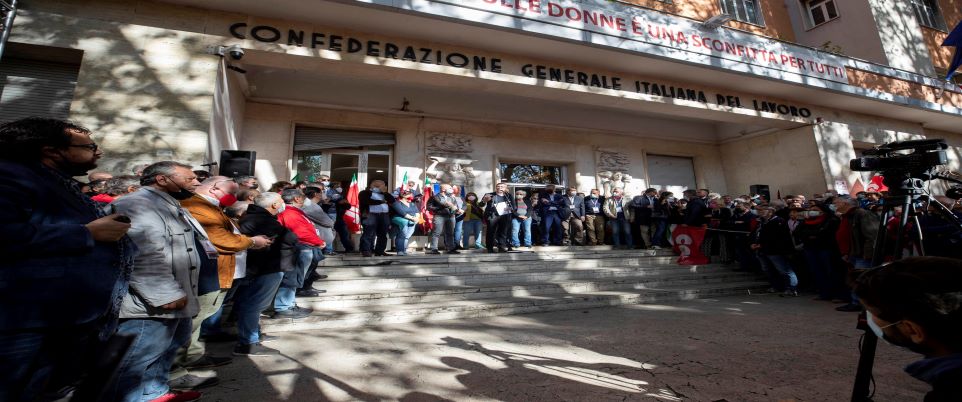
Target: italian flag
<point>426,215</point>
<point>352,217</point>
<point>404,182</point>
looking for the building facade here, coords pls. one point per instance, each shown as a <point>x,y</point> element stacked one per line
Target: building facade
<point>721,94</point>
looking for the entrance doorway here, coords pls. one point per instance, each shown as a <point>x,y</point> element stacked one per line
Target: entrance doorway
<point>533,178</point>
<point>342,154</point>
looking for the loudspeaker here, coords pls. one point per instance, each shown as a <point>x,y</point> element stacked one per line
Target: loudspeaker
<point>237,163</point>
<point>761,189</point>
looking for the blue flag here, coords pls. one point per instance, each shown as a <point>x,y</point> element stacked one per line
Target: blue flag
<point>954,40</point>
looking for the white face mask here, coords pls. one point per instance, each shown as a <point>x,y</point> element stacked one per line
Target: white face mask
<point>449,191</point>
<point>326,183</point>
<point>338,190</point>
<point>308,202</point>
<point>471,198</point>
<point>281,208</point>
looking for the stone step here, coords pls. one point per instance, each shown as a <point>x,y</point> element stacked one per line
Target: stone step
<point>331,301</point>
<point>392,270</point>
<point>447,310</point>
<point>551,274</point>
<point>474,256</point>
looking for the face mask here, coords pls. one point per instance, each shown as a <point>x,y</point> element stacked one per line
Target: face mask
<point>814,214</point>
<point>594,196</point>
<point>409,198</point>
<point>282,208</point>
<point>308,202</point>
<point>326,183</point>
<point>449,191</point>
<point>471,198</point>
<point>182,193</point>
<point>519,196</point>
<point>338,190</point>
<point>833,208</point>
<point>891,340</point>
<point>572,193</point>
<point>375,190</point>
<point>617,195</point>
<point>227,200</point>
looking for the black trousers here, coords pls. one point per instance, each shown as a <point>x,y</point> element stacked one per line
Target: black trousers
<point>374,236</point>
<point>499,232</point>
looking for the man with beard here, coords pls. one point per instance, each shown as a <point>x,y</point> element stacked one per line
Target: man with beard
<point>157,311</point>
<point>916,303</point>
<point>65,263</point>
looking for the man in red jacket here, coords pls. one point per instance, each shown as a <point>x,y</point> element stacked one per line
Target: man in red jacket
<point>294,219</point>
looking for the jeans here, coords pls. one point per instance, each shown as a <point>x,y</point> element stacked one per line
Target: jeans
<point>516,226</point>
<point>311,275</point>
<point>401,240</point>
<point>374,237</point>
<point>621,232</point>
<point>212,325</point>
<point>143,374</point>
<point>551,226</point>
<point>458,232</point>
<point>780,264</point>
<point>327,234</point>
<point>195,348</point>
<point>820,262</point>
<point>661,227</point>
<point>443,224</point>
<point>471,228</point>
<point>253,295</point>
<point>293,280</point>
<point>33,361</point>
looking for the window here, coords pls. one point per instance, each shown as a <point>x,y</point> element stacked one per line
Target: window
<point>532,174</point>
<point>927,11</point>
<point>749,11</point>
<point>821,11</point>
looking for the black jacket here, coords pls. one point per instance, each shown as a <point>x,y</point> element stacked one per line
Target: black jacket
<point>491,212</point>
<point>590,203</point>
<point>577,208</point>
<point>436,205</point>
<point>281,255</point>
<point>643,207</point>
<point>819,236</point>
<point>695,212</point>
<point>775,238</point>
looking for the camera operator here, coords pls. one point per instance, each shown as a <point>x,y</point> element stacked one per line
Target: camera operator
<point>916,303</point>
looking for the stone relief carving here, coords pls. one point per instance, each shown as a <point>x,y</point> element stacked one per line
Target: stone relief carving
<point>612,170</point>
<point>449,159</point>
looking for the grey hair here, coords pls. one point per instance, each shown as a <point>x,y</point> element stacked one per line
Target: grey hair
<point>241,179</point>
<point>237,210</point>
<point>848,200</point>
<point>290,194</point>
<point>121,184</point>
<point>163,168</point>
<point>265,200</point>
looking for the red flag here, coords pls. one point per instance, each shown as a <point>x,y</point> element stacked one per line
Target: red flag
<point>428,217</point>
<point>877,185</point>
<point>352,217</point>
<point>688,241</point>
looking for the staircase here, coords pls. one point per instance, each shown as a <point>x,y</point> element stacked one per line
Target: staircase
<point>382,290</point>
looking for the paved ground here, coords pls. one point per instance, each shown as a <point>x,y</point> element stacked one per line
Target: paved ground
<point>747,348</point>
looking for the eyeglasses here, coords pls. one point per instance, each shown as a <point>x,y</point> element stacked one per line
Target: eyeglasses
<point>93,147</point>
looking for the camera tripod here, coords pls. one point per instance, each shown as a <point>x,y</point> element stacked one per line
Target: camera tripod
<point>905,191</point>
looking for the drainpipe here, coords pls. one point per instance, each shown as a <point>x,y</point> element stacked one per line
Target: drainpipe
<point>10,8</point>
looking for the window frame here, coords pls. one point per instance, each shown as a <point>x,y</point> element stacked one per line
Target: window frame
<point>738,10</point>
<point>808,8</point>
<point>929,14</point>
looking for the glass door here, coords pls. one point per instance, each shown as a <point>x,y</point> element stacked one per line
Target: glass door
<point>342,164</point>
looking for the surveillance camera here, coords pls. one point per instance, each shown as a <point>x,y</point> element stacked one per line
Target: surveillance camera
<point>235,52</point>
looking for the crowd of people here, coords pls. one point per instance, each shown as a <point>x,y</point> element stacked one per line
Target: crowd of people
<point>151,259</point>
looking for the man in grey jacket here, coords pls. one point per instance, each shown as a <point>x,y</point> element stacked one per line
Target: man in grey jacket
<point>163,285</point>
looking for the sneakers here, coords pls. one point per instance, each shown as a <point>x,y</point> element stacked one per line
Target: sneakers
<point>432,252</point>
<point>789,293</point>
<point>265,338</point>
<point>189,382</point>
<point>304,309</point>
<point>255,350</point>
<point>178,396</point>
<point>850,308</point>
<point>207,361</point>
<point>293,313</point>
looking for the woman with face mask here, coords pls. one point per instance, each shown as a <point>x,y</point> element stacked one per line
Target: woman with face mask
<point>406,215</point>
<point>472,223</point>
<point>817,236</point>
<point>522,220</point>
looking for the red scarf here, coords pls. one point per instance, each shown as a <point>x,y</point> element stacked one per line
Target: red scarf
<point>815,221</point>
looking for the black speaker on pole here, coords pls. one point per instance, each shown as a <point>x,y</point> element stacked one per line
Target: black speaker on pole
<point>761,189</point>
<point>237,163</point>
